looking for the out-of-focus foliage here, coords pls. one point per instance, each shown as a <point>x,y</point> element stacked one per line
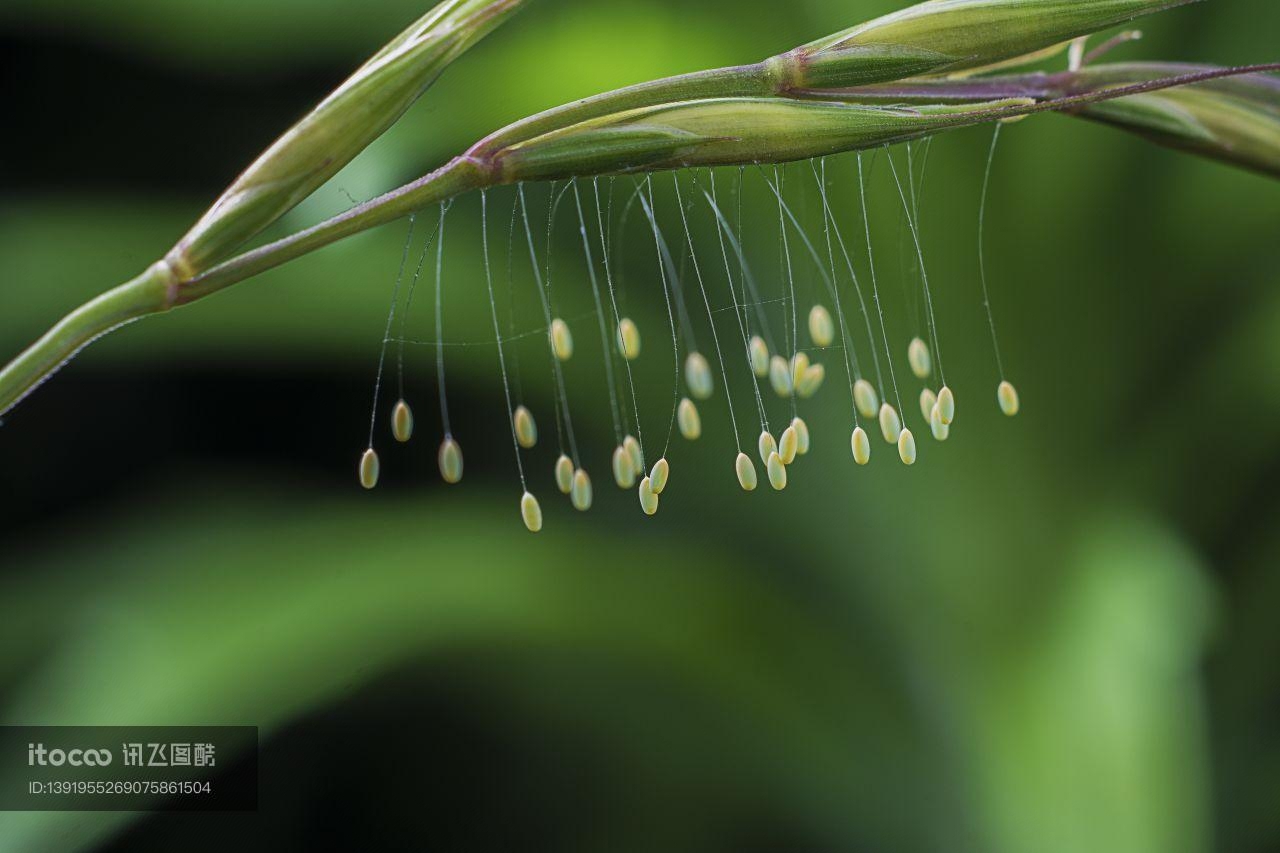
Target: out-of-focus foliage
<point>1051,634</point>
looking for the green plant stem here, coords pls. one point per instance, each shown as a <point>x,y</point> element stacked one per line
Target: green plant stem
<point>159,289</point>
<point>149,293</point>
<point>458,176</point>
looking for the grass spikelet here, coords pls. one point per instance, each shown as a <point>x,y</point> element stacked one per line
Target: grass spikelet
<point>928,401</point>
<point>958,35</point>
<point>947,405</point>
<point>777,472</point>
<point>780,376</point>
<point>402,422</point>
<point>890,423</point>
<point>767,445</point>
<point>746,473</point>
<point>628,339</point>
<point>866,399</point>
<point>339,128</point>
<point>659,476</point>
<point>789,445</point>
<point>561,340</point>
<point>369,469</point>
<point>450,461</point>
<point>907,447</point>
<point>526,428</point>
<point>648,498</point>
<point>822,330</point>
<point>531,512</point>
<point>759,352</point>
<point>623,474</point>
<point>802,435</point>
<point>1008,397</point>
<point>689,420</point>
<point>697,374</point>
<point>580,494</point>
<point>861,446</point>
<point>941,431</point>
<point>564,474</point>
<point>811,381</point>
<point>919,358</point>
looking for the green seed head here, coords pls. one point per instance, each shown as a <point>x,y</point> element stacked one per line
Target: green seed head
<point>767,445</point>
<point>866,399</point>
<point>561,340</point>
<point>919,358</point>
<point>947,405</point>
<point>648,498</point>
<point>802,435</point>
<point>1008,396</point>
<point>580,495</point>
<point>623,474</point>
<point>628,339</point>
<point>789,445</point>
<point>697,373</point>
<point>928,400</point>
<point>339,128</point>
<point>811,381</point>
<point>759,352</point>
<point>402,422</point>
<point>822,331</point>
<point>954,35</point>
<point>526,428</point>
<point>941,431</point>
<point>777,472</point>
<point>450,460</point>
<point>780,376</point>
<point>689,420</point>
<point>369,469</point>
<point>1235,120</point>
<point>728,132</point>
<point>861,446</point>
<point>907,447</point>
<point>890,423</point>
<point>746,473</point>
<point>659,475</point>
<point>531,512</point>
<point>564,474</point>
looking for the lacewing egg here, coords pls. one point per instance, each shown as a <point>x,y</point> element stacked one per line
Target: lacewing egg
<point>402,422</point>
<point>648,498</point>
<point>526,428</point>
<point>531,512</point>
<point>907,447</point>
<point>777,472</point>
<point>450,461</point>
<point>697,374</point>
<point>890,423</point>
<point>659,475</point>
<point>919,358</point>
<point>689,420</point>
<point>746,472</point>
<point>1008,396</point>
<point>822,330</point>
<point>369,468</point>
<point>564,474</point>
<point>628,339</point>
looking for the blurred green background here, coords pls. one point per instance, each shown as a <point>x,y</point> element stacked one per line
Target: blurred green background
<point>1055,633</point>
